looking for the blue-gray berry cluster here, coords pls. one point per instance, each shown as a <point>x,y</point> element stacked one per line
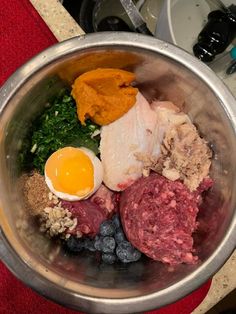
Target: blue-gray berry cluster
<point>110,241</point>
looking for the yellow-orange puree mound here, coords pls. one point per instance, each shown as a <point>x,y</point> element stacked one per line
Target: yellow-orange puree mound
<point>104,95</point>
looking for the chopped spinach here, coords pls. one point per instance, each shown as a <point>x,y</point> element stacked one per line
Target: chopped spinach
<point>58,127</point>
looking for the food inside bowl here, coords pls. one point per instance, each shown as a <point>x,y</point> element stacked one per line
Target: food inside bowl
<point>114,174</point>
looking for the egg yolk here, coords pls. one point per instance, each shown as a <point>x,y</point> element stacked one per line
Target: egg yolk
<point>70,171</point>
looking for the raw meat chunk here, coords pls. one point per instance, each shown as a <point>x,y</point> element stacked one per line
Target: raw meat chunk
<point>88,214</point>
<point>159,217</point>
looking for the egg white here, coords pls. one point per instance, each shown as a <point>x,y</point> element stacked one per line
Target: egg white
<point>98,177</point>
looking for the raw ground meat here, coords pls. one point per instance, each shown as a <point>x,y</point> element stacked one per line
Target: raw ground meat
<point>159,217</point>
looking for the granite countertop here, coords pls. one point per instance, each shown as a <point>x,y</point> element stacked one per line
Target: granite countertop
<point>63,27</point>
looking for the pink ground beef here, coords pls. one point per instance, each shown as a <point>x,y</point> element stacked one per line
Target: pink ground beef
<point>159,217</point>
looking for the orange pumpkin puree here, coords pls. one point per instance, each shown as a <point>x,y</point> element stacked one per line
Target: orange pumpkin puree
<point>104,95</point>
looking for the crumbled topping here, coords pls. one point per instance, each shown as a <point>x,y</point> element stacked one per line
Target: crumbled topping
<point>149,162</point>
<point>53,218</point>
<point>184,156</point>
<point>57,220</point>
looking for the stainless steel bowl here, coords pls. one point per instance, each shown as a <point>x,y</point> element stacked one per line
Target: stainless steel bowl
<point>162,71</point>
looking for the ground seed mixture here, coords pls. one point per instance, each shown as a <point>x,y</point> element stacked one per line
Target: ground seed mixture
<point>36,193</point>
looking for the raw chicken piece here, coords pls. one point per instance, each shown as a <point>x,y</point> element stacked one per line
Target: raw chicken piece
<point>168,115</point>
<point>135,132</point>
<point>185,156</point>
<point>132,144</point>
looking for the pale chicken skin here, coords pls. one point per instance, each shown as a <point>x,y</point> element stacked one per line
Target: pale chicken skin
<point>135,132</point>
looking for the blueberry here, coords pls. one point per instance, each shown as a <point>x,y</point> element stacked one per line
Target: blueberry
<point>108,244</point>
<point>75,244</point>
<point>98,243</point>
<point>89,245</point>
<point>108,258</point>
<point>107,228</point>
<point>116,221</point>
<point>127,253</point>
<point>119,236</point>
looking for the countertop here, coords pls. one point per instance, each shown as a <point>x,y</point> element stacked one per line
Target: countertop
<point>63,27</point>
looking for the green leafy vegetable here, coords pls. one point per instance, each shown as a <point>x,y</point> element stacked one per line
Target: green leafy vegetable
<point>58,127</point>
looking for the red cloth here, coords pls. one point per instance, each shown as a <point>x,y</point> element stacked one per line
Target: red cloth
<point>22,35</point>
<point>16,298</point>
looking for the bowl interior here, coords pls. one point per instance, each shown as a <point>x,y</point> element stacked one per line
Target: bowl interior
<point>157,76</point>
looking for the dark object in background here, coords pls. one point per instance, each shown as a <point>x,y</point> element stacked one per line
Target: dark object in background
<point>112,23</point>
<point>231,69</point>
<point>232,66</point>
<point>225,64</point>
<point>226,305</point>
<point>135,17</point>
<point>217,34</point>
<point>84,11</point>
